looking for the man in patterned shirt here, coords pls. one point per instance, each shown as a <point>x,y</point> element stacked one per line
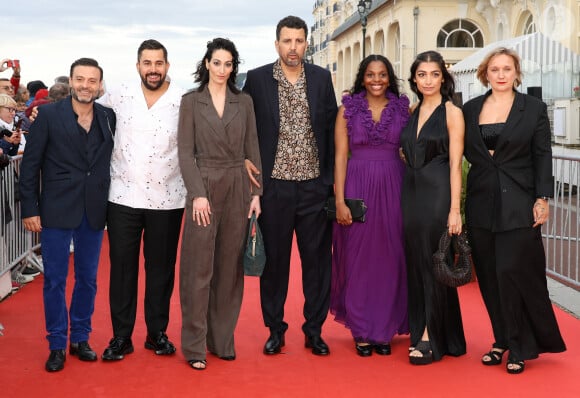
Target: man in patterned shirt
<point>146,201</point>
<point>295,110</point>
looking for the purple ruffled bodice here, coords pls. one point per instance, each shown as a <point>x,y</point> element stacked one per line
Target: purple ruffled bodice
<point>362,130</point>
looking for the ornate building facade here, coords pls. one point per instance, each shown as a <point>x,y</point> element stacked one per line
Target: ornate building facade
<point>400,29</point>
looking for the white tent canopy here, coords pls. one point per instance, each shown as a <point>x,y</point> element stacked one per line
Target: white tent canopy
<point>545,63</point>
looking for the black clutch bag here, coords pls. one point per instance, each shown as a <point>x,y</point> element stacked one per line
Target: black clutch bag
<point>357,207</point>
<point>452,267</point>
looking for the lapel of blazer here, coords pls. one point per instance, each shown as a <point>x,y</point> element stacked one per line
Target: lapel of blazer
<point>511,126</point>
<point>310,92</point>
<point>71,127</point>
<point>231,109</point>
<point>473,134</point>
<point>106,130</point>
<point>231,112</point>
<point>273,100</point>
<point>209,113</point>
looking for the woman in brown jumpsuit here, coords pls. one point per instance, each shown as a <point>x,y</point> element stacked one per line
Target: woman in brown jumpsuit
<point>217,133</point>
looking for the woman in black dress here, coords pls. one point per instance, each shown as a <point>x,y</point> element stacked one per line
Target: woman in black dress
<point>432,145</point>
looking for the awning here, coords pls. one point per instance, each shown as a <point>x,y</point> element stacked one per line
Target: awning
<point>534,47</point>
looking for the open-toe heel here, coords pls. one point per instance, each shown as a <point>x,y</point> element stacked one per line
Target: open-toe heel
<point>515,366</point>
<point>495,356</point>
<point>424,347</point>
<point>198,364</point>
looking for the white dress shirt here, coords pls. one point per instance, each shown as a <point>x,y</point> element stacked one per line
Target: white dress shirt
<point>144,165</point>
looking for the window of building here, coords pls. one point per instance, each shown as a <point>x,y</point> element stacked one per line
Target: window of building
<point>460,33</point>
<point>529,25</point>
<point>526,24</point>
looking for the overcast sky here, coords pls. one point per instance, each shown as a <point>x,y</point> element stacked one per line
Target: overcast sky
<point>48,35</point>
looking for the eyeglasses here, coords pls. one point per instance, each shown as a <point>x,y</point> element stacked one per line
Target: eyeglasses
<point>9,109</point>
<point>6,88</point>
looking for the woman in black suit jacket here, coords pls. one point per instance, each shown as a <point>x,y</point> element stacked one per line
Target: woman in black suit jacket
<point>507,142</point>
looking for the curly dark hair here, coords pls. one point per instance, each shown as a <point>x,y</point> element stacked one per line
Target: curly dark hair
<point>360,75</point>
<point>202,73</point>
<point>448,84</point>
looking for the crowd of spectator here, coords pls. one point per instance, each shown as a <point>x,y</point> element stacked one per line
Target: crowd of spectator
<point>16,103</point>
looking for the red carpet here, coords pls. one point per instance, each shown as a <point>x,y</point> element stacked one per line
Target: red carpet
<point>295,373</point>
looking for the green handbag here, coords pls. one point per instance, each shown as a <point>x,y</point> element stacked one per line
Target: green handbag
<point>254,253</point>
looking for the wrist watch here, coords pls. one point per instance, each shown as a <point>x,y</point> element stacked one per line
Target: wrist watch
<point>543,197</point>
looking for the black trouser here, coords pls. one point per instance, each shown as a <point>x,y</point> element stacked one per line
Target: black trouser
<point>160,232</point>
<point>483,249</point>
<point>511,271</point>
<point>290,207</point>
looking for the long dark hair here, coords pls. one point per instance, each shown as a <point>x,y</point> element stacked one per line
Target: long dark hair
<point>362,68</point>
<point>202,73</point>
<point>447,86</point>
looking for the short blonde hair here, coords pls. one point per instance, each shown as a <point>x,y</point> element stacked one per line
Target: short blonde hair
<point>482,69</point>
<point>7,101</point>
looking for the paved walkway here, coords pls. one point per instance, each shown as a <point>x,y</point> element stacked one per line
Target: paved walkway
<point>565,297</point>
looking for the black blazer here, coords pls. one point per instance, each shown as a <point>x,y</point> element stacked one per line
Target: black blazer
<point>263,89</point>
<point>501,189</point>
<point>56,162</point>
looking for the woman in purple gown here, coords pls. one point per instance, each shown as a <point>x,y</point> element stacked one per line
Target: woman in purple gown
<point>368,293</point>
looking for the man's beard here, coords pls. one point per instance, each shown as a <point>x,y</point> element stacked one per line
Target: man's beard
<point>74,94</point>
<point>291,63</point>
<point>154,86</point>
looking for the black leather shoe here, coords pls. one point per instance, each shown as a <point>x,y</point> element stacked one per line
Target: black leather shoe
<point>118,347</point>
<point>274,343</point>
<point>55,361</point>
<point>318,345</point>
<point>160,344</point>
<point>365,350</point>
<point>83,351</point>
<point>383,349</point>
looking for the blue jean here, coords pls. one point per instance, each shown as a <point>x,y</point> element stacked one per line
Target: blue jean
<point>55,256</point>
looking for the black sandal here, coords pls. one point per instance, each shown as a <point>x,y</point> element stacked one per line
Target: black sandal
<point>495,357</point>
<point>516,370</point>
<point>193,362</point>
<point>424,347</point>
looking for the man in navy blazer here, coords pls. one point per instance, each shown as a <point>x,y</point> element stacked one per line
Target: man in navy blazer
<point>295,108</point>
<point>64,184</point>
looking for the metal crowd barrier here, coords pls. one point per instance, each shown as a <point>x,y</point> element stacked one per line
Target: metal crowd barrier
<point>561,232</point>
<point>18,247</point>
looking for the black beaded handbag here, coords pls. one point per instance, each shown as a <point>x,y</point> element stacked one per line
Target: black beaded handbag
<point>358,209</point>
<point>453,270</point>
